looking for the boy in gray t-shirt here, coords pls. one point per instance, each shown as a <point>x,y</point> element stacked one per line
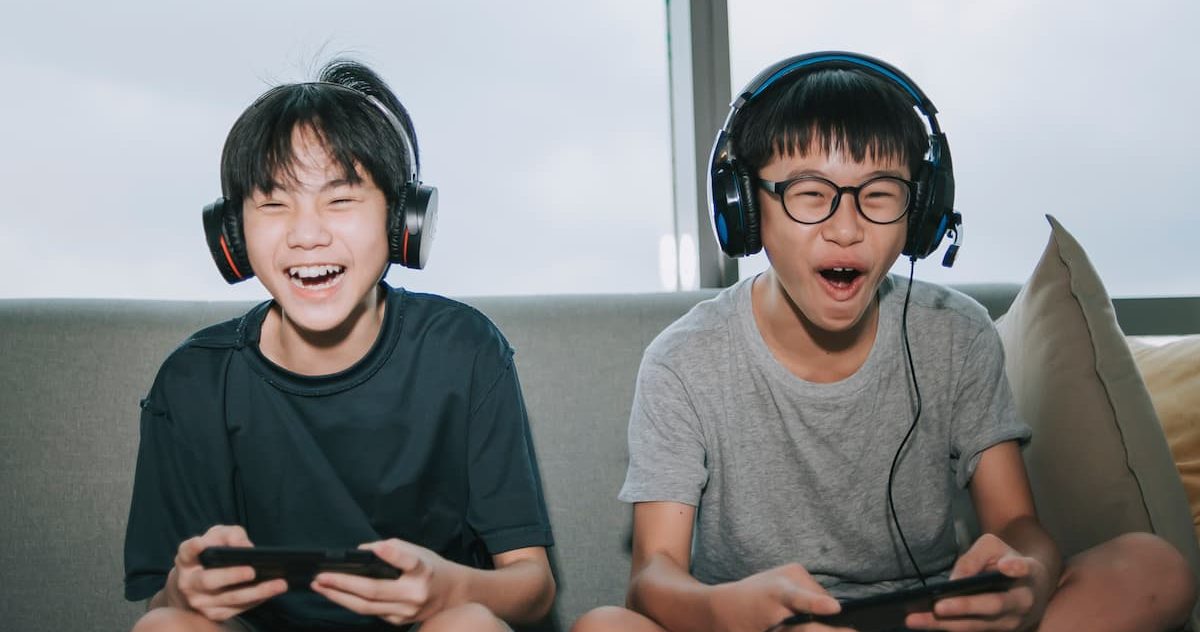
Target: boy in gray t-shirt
<point>799,438</point>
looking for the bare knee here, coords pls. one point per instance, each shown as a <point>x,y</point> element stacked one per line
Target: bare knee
<point>173,620</point>
<point>1143,573</point>
<point>470,616</point>
<point>1161,565</point>
<point>613,618</point>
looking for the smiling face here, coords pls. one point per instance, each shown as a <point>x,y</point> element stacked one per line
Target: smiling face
<point>318,242</point>
<point>830,271</point>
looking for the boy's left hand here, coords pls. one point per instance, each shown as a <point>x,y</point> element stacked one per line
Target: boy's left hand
<point>427,585</point>
<point>1018,608</point>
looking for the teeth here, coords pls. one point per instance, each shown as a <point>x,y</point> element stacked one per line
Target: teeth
<point>309,272</point>
<point>843,269</point>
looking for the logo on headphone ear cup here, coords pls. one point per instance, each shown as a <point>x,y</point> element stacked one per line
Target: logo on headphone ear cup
<point>223,232</point>
<point>411,226</point>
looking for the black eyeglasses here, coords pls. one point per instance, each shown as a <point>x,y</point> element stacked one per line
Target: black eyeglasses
<point>813,199</point>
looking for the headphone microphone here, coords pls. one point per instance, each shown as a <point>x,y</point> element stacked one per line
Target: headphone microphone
<point>955,231</point>
<point>412,218</point>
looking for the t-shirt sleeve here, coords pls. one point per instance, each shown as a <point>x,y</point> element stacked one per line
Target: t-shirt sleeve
<point>506,507</point>
<point>984,410</point>
<point>182,485</point>
<point>666,445</point>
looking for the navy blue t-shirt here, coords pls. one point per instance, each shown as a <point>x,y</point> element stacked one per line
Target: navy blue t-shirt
<point>425,439</point>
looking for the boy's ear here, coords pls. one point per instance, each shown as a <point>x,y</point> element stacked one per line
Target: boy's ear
<point>223,232</point>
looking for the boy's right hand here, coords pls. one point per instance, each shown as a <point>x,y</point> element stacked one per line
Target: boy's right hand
<point>759,602</point>
<point>219,593</point>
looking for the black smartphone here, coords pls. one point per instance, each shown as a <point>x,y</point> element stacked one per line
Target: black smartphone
<point>886,611</point>
<point>298,565</point>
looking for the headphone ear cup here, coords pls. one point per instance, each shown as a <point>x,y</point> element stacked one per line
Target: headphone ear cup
<point>919,220</point>
<point>223,232</point>
<point>932,209</point>
<point>753,236</point>
<point>735,218</point>
<point>412,224</point>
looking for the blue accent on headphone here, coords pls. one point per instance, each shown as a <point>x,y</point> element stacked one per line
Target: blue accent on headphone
<point>722,229</point>
<point>941,229</point>
<point>846,58</point>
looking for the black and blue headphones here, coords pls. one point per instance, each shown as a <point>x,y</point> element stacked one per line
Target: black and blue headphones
<point>732,199</point>
<point>412,220</point>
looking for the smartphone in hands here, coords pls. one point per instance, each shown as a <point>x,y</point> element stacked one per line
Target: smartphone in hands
<point>298,565</point>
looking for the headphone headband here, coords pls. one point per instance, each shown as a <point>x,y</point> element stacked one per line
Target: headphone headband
<point>410,153</point>
<point>833,59</point>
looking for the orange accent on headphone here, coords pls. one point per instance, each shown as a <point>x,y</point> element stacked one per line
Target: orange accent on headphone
<point>404,248</point>
<point>229,258</point>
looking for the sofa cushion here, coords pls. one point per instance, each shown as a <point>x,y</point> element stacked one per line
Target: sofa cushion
<point>1172,375</point>
<point>1098,462</point>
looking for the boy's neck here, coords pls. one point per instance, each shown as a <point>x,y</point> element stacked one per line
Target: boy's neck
<point>323,352</point>
<point>807,351</point>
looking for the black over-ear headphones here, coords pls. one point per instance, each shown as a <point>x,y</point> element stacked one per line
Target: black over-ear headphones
<point>734,205</point>
<point>412,220</point>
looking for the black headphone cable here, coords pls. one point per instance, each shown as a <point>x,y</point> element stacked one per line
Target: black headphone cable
<point>917,389</point>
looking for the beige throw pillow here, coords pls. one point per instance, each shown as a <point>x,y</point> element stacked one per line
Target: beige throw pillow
<point>1098,461</point>
<point>1172,374</point>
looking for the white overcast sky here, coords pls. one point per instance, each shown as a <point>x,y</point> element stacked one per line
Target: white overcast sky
<point>545,126</point>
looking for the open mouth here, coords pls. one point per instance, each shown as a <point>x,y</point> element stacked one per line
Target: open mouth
<point>315,277</point>
<point>839,277</point>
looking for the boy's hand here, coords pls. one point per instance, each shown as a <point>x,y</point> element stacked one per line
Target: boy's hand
<point>759,602</point>
<point>1018,608</point>
<point>427,585</point>
<point>219,593</point>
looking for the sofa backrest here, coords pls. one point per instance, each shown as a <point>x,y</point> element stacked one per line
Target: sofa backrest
<point>72,372</point>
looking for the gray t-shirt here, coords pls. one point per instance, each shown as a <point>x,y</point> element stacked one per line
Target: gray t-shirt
<point>785,470</point>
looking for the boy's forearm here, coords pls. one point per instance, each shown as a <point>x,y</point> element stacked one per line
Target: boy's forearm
<point>671,597</point>
<point>521,592</point>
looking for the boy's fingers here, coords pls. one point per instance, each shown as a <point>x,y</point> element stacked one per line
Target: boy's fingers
<point>365,587</point>
<point>253,594</point>
<point>801,600</point>
<point>227,535</point>
<point>398,553</point>
<point>1014,566</point>
<point>356,602</point>
<point>189,551</point>
<point>213,580</point>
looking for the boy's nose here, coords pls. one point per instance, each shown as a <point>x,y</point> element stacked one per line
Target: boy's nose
<point>844,227</point>
<point>308,231</point>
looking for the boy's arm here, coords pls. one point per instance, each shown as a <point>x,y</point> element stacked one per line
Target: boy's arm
<point>1004,505</point>
<point>1013,542</point>
<point>662,588</point>
<point>520,589</point>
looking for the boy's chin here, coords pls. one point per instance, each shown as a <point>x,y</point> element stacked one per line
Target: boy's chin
<point>318,317</point>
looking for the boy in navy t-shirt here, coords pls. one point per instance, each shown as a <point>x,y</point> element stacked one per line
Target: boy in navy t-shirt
<point>342,413</point>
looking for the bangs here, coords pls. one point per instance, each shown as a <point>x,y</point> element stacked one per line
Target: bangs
<point>832,111</point>
<point>260,155</point>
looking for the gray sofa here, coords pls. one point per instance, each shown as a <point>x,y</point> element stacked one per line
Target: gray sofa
<point>72,372</point>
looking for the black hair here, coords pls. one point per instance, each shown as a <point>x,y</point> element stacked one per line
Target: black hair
<point>830,109</point>
<point>258,152</point>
